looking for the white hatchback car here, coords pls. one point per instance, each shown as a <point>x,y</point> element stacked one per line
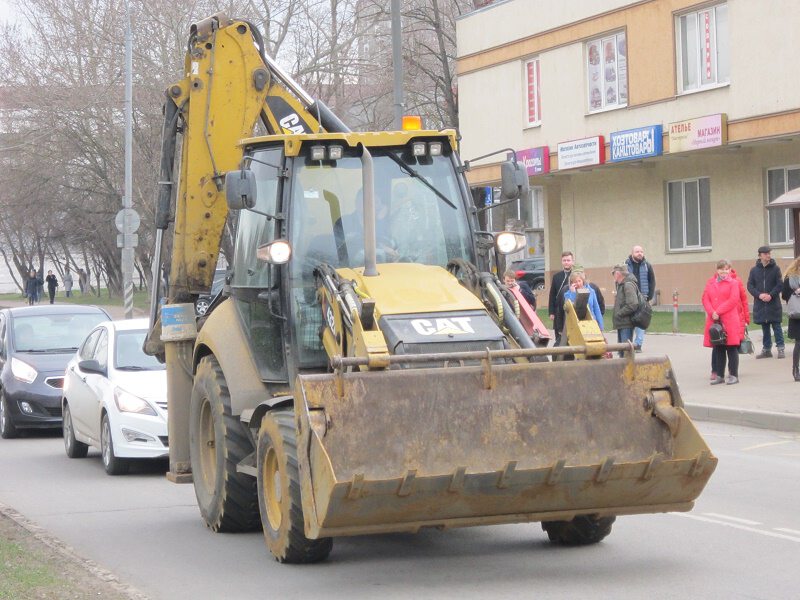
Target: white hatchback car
<point>115,397</point>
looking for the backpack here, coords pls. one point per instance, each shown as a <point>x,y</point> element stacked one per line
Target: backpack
<point>717,335</point>
<point>644,313</point>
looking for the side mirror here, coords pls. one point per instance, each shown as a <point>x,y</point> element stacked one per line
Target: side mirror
<point>91,366</point>
<point>513,180</point>
<point>240,189</point>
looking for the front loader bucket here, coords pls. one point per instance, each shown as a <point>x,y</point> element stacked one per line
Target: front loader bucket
<point>397,450</point>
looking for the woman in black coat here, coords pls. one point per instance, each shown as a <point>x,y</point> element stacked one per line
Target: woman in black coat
<point>791,286</point>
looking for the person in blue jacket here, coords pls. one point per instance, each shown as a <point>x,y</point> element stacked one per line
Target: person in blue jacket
<point>577,281</point>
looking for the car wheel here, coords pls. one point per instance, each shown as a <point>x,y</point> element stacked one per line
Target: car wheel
<point>538,285</point>
<point>218,442</point>
<point>279,493</point>
<point>112,464</point>
<point>201,306</point>
<point>73,447</point>
<point>7,428</point>
<point>580,531</point>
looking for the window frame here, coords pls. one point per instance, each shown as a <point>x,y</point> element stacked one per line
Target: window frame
<point>787,211</point>
<point>537,92</point>
<point>601,41</point>
<point>686,248</point>
<point>700,87</point>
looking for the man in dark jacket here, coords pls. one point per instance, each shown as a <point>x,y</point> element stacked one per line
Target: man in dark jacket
<point>559,283</point>
<point>646,278</point>
<point>764,284</point>
<point>626,302</point>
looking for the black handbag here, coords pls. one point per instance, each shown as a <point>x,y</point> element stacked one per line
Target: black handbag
<point>717,335</point>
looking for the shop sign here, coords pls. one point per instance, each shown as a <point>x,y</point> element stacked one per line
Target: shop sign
<point>633,144</point>
<point>694,134</point>
<point>582,153</point>
<point>536,160</point>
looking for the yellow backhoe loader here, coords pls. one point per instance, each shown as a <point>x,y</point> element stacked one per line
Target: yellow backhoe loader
<point>363,370</point>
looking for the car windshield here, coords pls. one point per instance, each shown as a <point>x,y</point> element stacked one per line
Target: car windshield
<point>128,354</point>
<point>55,332</point>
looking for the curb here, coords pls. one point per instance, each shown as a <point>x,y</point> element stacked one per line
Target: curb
<point>745,418</point>
<point>70,554</point>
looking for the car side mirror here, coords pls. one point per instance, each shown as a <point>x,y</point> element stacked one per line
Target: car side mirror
<point>240,189</point>
<point>513,180</point>
<point>91,366</point>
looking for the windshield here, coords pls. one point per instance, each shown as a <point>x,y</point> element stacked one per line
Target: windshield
<point>128,353</point>
<point>53,333</point>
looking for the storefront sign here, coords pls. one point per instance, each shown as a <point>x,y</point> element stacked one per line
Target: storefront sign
<point>633,144</point>
<point>694,134</point>
<point>536,160</point>
<point>582,153</point>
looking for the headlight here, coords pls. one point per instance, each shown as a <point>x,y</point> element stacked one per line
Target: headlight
<point>22,370</point>
<point>127,402</point>
<point>276,252</point>
<point>509,241</point>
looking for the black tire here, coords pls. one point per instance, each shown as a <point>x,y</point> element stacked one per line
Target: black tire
<point>73,447</point>
<point>7,428</point>
<point>111,462</point>
<point>282,513</point>
<point>580,531</point>
<point>217,443</point>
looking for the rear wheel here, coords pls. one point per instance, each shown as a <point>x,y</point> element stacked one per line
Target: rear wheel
<point>279,493</point>
<point>201,306</point>
<point>111,462</point>
<point>217,443</point>
<point>73,447</point>
<point>580,531</point>
<point>7,429</point>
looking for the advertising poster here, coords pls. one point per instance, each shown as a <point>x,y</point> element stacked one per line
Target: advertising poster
<point>594,72</point>
<point>695,134</point>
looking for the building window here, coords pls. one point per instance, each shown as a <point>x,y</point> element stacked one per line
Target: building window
<point>703,53</point>
<point>780,181</point>
<point>689,214</point>
<point>607,72</point>
<point>533,93</point>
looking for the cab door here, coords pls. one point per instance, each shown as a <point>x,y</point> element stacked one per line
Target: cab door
<point>76,390</point>
<point>97,386</point>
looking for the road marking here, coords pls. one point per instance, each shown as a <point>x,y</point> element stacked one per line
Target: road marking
<point>766,445</point>
<point>736,519</point>
<point>784,530</point>
<point>742,527</point>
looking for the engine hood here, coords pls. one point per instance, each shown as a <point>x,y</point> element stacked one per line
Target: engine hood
<point>46,363</point>
<point>150,385</point>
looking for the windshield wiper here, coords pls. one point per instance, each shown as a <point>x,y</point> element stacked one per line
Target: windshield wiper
<point>65,349</point>
<point>415,174</point>
<point>131,368</point>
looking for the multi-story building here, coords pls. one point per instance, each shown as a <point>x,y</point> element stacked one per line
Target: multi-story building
<point>671,124</point>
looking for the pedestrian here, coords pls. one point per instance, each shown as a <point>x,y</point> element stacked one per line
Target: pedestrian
<point>83,280</point>
<point>646,278</point>
<point>791,287</point>
<point>744,312</point>
<point>39,286</point>
<point>626,302</point>
<point>722,301</point>
<point>510,279</point>
<point>30,287</point>
<point>558,285</point>
<point>52,284</point>
<point>765,284</point>
<point>577,281</point>
<point>67,279</point>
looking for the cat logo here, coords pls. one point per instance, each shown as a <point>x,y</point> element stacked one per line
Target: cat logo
<point>291,124</point>
<point>447,326</point>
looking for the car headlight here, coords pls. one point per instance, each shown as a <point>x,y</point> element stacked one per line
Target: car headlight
<point>23,371</point>
<point>127,402</point>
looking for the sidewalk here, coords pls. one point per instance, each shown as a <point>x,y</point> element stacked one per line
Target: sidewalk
<point>766,396</point>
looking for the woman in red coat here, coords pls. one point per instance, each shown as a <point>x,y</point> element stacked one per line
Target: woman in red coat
<point>722,303</point>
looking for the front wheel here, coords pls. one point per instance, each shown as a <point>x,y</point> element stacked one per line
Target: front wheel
<point>111,462</point>
<point>580,531</point>
<point>279,493</point>
<point>7,428</point>
<point>72,446</point>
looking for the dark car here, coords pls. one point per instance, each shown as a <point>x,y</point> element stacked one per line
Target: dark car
<point>204,301</point>
<point>531,271</point>
<point>36,343</point>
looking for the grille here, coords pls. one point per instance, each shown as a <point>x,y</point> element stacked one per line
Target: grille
<point>162,405</point>
<point>164,440</point>
<point>55,382</point>
<point>53,411</point>
<point>474,346</point>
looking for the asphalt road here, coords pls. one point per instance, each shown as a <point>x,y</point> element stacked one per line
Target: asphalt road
<point>741,541</point>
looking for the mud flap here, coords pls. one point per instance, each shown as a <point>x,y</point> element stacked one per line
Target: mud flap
<point>398,450</point>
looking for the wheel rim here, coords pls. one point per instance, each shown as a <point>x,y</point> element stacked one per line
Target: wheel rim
<point>202,307</point>
<point>273,490</point>
<point>208,449</point>
<point>67,427</point>
<point>2,413</point>
<point>106,442</point>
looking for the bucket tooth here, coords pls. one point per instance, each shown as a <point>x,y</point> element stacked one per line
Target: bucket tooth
<point>407,485</point>
<point>699,463</point>
<point>555,472</point>
<point>506,474</point>
<point>605,470</point>
<point>652,466</point>
<point>457,481</point>
<point>356,486</point>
